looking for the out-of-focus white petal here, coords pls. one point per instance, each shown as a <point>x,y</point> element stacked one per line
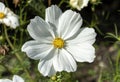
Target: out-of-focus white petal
<point>86,35</point>
<point>76,3</point>
<point>40,30</point>
<point>85,3</point>
<point>17,78</point>
<point>52,14</point>
<point>5,80</point>
<point>6,21</point>
<point>82,52</point>
<point>14,21</point>
<point>2,7</point>
<point>63,61</point>
<point>8,12</point>
<point>69,24</point>
<point>79,4</point>
<point>36,50</point>
<point>46,67</point>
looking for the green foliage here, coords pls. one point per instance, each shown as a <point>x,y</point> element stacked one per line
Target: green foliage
<point>38,7</point>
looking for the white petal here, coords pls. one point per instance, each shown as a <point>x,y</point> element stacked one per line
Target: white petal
<point>17,78</point>
<point>14,22</point>
<point>52,14</point>
<point>85,3</point>
<point>36,50</point>
<point>5,80</point>
<point>82,52</point>
<point>82,4</point>
<point>63,61</point>
<point>6,21</point>
<point>79,4</point>
<point>2,7</point>
<point>76,3</point>
<point>8,12</point>
<point>1,21</point>
<point>86,35</point>
<point>69,24</point>
<point>40,30</point>
<point>46,68</point>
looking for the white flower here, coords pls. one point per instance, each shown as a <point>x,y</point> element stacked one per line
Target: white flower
<point>59,41</point>
<point>79,4</point>
<point>16,78</point>
<point>8,17</point>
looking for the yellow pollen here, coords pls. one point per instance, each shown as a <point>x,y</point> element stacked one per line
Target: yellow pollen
<point>58,43</point>
<point>2,15</point>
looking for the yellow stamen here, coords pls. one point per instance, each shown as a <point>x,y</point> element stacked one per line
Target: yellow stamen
<point>58,43</point>
<point>2,15</point>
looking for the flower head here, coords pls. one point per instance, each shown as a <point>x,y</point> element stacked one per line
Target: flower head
<point>16,78</point>
<point>79,4</point>
<point>8,17</point>
<point>59,41</point>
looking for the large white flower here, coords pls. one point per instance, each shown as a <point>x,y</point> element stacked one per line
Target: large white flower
<point>79,4</point>
<point>59,41</point>
<point>8,17</point>
<point>16,78</point>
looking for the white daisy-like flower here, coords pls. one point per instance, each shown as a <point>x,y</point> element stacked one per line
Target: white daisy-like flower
<point>59,41</point>
<point>7,17</point>
<point>79,4</point>
<point>16,78</point>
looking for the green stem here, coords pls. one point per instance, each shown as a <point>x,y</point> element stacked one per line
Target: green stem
<point>21,17</point>
<point>16,54</point>
<point>116,78</point>
<point>21,37</point>
<point>100,76</point>
<point>117,62</point>
<point>61,2</point>
<point>10,44</point>
<point>14,42</point>
<point>111,63</point>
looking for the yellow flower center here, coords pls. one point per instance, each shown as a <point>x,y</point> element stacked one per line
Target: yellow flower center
<point>58,43</point>
<point>2,15</point>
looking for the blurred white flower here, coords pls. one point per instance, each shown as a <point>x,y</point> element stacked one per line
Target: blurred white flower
<point>7,17</point>
<point>59,41</point>
<point>16,78</point>
<point>79,4</point>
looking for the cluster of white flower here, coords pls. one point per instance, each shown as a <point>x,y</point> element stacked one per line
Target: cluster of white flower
<point>7,17</point>
<point>16,78</point>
